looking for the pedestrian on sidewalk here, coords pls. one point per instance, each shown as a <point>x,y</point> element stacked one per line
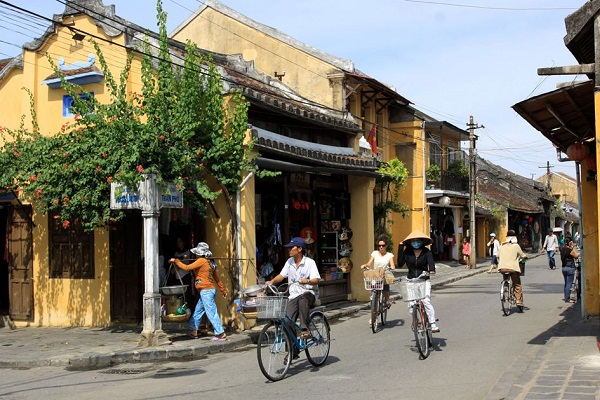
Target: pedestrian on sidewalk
<point>509,255</point>
<point>493,247</point>
<point>568,255</point>
<point>419,259</point>
<point>206,280</point>
<point>466,252</point>
<point>550,247</point>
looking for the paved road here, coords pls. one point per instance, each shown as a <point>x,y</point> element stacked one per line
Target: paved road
<point>478,355</point>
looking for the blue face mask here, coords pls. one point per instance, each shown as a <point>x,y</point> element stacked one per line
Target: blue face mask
<point>416,244</point>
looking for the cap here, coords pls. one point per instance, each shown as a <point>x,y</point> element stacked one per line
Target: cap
<point>296,241</point>
<point>492,234</point>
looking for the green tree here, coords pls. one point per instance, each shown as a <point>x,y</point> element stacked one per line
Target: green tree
<point>177,127</point>
<point>393,177</point>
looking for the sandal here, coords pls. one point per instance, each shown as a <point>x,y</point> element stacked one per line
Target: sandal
<point>305,335</point>
<point>220,338</point>
<point>191,335</point>
<point>389,305</point>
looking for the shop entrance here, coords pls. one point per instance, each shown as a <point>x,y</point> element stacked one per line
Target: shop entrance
<point>443,232</point>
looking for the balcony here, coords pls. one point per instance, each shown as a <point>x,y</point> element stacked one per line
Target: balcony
<point>454,183</point>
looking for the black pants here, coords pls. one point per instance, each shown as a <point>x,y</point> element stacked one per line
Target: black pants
<point>300,306</point>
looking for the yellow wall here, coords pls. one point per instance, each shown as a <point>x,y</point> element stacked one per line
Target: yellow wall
<point>217,32</point>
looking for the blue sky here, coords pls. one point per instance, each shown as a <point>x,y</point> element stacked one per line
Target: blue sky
<point>452,58</point>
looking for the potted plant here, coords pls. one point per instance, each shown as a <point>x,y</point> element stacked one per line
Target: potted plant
<point>458,169</point>
<point>433,174</point>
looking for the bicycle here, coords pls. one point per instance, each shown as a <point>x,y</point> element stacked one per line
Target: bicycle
<point>575,294</point>
<point>507,294</point>
<point>413,291</point>
<point>379,305</point>
<point>278,342</point>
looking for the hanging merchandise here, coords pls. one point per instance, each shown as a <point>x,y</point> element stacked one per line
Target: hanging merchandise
<point>345,234</point>
<point>345,264</point>
<point>345,249</point>
<point>308,234</point>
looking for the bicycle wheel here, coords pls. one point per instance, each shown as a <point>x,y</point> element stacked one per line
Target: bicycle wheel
<point>318,345</point>
<point>574,289</point>
<point>383,308</point>
<point>274,351</point>
<point>420,330</point>
<point>374,310</point>
<point>505,297</point>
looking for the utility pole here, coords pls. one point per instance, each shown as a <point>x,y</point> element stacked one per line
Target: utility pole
<point>472,190</point>
<point>548,175</point>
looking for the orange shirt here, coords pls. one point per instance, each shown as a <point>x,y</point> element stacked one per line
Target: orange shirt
<point>205,273</point>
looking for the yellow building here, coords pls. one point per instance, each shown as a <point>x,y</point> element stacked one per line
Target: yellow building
<point>568,117</point>
<point>324,186</point>
<point>400,130</point>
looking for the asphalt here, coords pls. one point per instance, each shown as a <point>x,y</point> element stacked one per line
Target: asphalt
<point>566,366</point>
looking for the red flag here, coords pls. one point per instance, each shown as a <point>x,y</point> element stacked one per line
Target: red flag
<point>372,138</point>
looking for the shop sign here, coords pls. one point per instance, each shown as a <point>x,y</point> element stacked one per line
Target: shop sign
<point>455,201</point>
<point>300,179</point>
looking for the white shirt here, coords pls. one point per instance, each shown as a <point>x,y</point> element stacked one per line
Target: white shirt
<point>550,243</point>
<point>381,261</point>
<point>307,269</point>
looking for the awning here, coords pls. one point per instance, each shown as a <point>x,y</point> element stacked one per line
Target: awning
<point>564,116</point>
<point>278,165</point>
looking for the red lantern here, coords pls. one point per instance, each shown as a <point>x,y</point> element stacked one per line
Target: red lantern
<point>578,152</point>
<point>590,162</point>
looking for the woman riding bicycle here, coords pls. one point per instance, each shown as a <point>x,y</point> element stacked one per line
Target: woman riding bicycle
<point>380,258</point>
<point>303,270</point>
<point>509,255</point>
<point>419,259</point>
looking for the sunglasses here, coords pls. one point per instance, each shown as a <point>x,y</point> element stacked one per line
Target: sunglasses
<point>381,245</point>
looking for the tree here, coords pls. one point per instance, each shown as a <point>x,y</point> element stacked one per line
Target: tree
<point>393,177</point>
<point>177,127</point>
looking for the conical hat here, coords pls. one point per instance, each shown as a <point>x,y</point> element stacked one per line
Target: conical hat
<point>417,235</point>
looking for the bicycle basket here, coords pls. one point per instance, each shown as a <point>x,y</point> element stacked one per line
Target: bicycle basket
<point>412,291</point>
<point>271,307</point>
<point>374,283</point>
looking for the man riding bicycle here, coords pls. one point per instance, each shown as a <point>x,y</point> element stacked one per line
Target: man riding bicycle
<point>303,270</point>
<point>509,255</point>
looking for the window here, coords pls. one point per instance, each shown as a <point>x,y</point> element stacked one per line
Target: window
<point>71,251</point>
<point>451,152</point>
<point>68,103</point>
<point>435,150</point>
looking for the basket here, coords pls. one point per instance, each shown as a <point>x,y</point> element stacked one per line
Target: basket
<point>272,307</point>
<point>176,318</point>
<point>374,283</point>
<point>412,291</point>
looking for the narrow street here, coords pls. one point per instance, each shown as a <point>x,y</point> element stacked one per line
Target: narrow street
<point>477,346</point>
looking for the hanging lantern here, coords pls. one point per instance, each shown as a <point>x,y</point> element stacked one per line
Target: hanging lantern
<point>590,162</point>
<point>578,152</point>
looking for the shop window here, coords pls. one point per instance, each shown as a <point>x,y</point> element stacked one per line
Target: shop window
<point>451,152</point>
<point>67,111</point>
<point>71,250</point>
<point>435,150</point>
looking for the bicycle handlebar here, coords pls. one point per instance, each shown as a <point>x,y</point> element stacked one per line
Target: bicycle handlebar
<point>424,275</point>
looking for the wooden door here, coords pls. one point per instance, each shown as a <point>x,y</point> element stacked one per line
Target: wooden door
<point>20,262</point>
<point>126,270</point>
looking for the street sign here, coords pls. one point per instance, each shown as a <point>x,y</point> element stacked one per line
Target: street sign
<point>128,199</point>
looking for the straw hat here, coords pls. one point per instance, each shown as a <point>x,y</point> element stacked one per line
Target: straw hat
<point>417,235</point>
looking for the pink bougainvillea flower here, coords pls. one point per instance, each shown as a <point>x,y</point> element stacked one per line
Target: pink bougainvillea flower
<point>140,169</point>
<point>109,179</point>
<point>161,137</point>
<point>56,216</point>
<point>104,155</point>
<point>77,117</point>
<point>16,153</point>
<point>39,192</point>
<point>66,223</point>
<point>32,178</point>
<point>98,168</point>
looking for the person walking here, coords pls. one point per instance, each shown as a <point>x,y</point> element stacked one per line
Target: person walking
<point>418,258</point>
<point>206,280</point>
<point>568,255</point>
<point>509,255</point>
<point>303,270</point>
<point>493,247</point>
<point>550,247</point>
<point>466,252</point>
<point>381,258</point>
